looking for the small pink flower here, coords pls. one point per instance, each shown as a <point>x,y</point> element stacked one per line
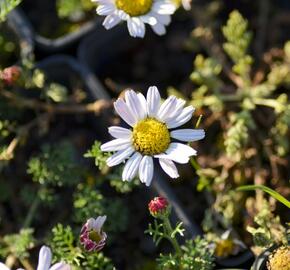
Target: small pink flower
<point>158,206</point>
<point>92,237</point>
<point>10,75</point>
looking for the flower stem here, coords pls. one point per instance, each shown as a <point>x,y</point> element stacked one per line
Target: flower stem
<point>169,231</point>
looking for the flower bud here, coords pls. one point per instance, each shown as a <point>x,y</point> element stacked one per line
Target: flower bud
<point>10,75</point>
<point>92,237</point>
<point>159,207</point>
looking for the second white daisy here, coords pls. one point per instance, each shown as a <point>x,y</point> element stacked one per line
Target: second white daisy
<point>150,136</point>
<point>136,13</point>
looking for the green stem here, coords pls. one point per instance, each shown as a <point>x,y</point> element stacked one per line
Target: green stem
<point>194,164</point>
<point>31,212</point>
<point>169,231</point>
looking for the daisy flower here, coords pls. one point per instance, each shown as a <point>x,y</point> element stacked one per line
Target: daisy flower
<point>136,13</point>
<point>44,262</point>
<point>150,135</point>
<point>92,237</point>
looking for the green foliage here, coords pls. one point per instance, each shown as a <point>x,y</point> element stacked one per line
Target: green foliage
<point>238,40</point>
<point>89,202</point>
<point>7,6</point>
<point>64,248</point>
<point>56,92</point>
<point>63,245</point>
<point>17,244</point>
<point>99,156</point>
<point>196,254</point>
<point>238,134</point>
<point>55,165</point>
<point>269,230</point>
<point>73,9</point>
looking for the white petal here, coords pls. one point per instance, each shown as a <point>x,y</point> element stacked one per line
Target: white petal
<point>99,223</point>
<point>181,119</point>
<point>135,105</point>
<point>111,21</point>
<point>163,8</point>
<point>178,152</point>
<point>119,156</point>
<point>44,259</point>
<point>131,167</point>
<point>159,29</point>
<point>146,170</point>
<point>188,135</point>
<point>122,15</point>
<point>136,27</point>
<point>149,18</point>
<point>115,145</point>
<point>166,108</point>
<point>91,223</point>
<point>186,4</point>
<point>143,104</point>
<point>169,167</point>
<point>123,110</point>
<point>153,101</point>
<point>60,266</point>
<point>104,10</point>
<point>3,266</point>
<point>175,111</point>
<point>120,133</point>
<point>164,19</point>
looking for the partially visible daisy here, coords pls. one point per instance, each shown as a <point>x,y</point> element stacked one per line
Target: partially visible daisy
<point>44,262</point>
<point>92,236</point>
<point>136,13</point>
<point>151,135</point>
<point>186,4</point>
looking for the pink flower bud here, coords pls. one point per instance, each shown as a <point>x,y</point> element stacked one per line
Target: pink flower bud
<point>92,237</point>
<point>10,75</point>
<point>158,207</point>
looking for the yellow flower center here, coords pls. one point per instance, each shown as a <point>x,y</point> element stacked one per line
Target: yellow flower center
<point>150,137</point>
<point>134,7</point>
<point>94,236</point>
<point>224,248</point>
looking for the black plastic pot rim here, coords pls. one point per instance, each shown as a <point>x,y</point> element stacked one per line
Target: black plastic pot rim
<point>24,33</point>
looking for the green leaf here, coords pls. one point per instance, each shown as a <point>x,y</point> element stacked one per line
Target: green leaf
<point>6,6</point>
<point>268,190</point>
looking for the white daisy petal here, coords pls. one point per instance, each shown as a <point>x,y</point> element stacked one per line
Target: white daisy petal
<point>115,145</point>
<point>166,107</point>
<point>146,170</point>
<point>143,103</point>
<point>44,259</point>
<point>60,266</point>
<point>111,21</point>
<point>163,8</point>
<point>169,167</point>
<point>188,135</point>
<point>159,29</point>
<point>175,111</point>
<point>136,27</point>
<point>134,104</point>
<point>3,266</point>
<point>105,9</point>
<point>181,119</point>
<point>149,18</point>
<point>125,113</point>
<point>164,19</point>
<point>119,156</point>
<point>131,167</point>
<point>99,222</point>
<point>178,152</point>
<point>120,133</point>
<point>153,101</point>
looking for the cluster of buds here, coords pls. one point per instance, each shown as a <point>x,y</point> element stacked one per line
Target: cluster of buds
<point>159,207</point>
<point>92,236</point>
<point>10,76</point>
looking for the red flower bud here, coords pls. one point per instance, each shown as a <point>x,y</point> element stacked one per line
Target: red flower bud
<point>158,207</point>
<point>10,75</point>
